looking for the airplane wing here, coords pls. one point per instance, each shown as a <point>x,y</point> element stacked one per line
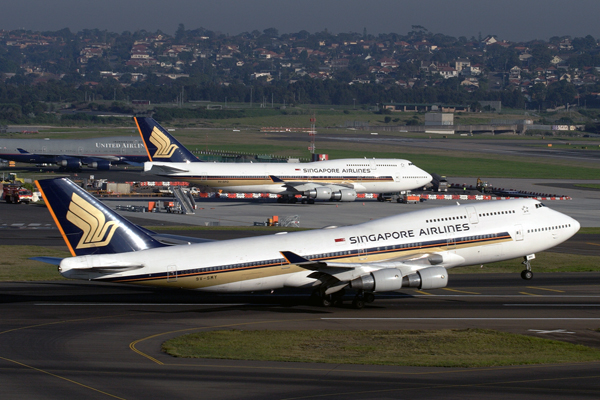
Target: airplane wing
<point>301,187</point>
<point>339,275</point>
<point>87,159</point>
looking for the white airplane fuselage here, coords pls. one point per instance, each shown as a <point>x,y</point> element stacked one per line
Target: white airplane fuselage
<point>457,235</point>
<point>360,175</point>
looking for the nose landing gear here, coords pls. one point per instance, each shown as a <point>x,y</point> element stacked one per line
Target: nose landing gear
<point>527,274</point>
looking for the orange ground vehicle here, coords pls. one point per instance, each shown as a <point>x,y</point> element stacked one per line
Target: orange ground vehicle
<point>17,194</point>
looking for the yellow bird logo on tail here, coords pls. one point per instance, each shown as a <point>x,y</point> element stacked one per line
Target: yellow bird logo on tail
<point>164,148</point>
<point>97,232</point>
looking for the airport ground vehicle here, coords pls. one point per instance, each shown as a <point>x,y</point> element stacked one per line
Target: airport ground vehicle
<point>17,194</point>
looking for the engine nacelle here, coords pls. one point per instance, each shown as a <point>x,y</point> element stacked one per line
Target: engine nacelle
<point>320,193</point>
<point>344,195</point>
<point>70,164</point>
<point>100,165</point>
<point>382,280</point>
<point>427,278</point>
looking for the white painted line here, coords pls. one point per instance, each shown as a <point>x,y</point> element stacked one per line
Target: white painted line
<point>149,304</point>
<point>464,319</point>
<point>551,305</point>
<point>552,331</point>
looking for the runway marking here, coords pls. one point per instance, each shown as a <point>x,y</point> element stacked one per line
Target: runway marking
<point>551,305</point>
<point>456,319</point>
<point>151,304</point>
<point>550,331</point>
<point>593,244</point>
<point>61,377</point>
<point>62,322</point>
<point>459,291</point>
<point>425,293</point>
<point>531,294</point>
<point>541,288</point>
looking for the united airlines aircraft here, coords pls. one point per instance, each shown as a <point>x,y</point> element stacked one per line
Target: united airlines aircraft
<point>411,250</point>
<point>337,180</point>
<point>71,155</point>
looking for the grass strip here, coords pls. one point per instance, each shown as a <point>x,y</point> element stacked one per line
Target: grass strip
<point>423,348</point>
<point>587,185</point>
<point>544,262</point>
<point>16,265</point>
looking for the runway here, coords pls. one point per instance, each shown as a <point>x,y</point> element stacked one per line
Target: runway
<point>90,340</point>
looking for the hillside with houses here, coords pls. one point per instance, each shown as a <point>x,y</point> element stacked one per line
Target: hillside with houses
<point>358,69</point>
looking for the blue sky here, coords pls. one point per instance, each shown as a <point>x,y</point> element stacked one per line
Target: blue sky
<point>515,20</point>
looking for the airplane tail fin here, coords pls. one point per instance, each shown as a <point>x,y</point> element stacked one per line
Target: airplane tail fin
<point>87,225</point>
<point>160,145</point>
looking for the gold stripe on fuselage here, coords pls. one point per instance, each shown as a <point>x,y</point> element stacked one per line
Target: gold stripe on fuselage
<point>194,279</point>
<point>233,182</point>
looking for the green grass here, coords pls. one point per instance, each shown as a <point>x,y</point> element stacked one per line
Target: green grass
<point>587,185</point>
<point>589,230</point>
<point>544,262</point>
<point>424,348</point>
<point>15,264</point>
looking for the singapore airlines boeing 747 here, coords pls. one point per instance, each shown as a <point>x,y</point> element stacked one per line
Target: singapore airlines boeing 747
<point>411,250</point>
<point>337,180</point>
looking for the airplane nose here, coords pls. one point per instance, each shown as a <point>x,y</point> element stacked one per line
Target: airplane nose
<point>426,177</point>
<point>575,225</point>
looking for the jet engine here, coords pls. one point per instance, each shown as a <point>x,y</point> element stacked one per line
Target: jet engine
<point>344,195</point>
<point>382,280</point>
<point>72,164</point>
<point>390,279</point>
<point>100,165</point>
<point>320,193</point>
<point>427,278</point>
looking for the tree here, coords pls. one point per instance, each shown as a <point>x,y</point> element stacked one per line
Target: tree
<point>180,34</point>
<point>271,32</point>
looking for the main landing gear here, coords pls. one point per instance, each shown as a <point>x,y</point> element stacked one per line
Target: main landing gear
<point>527,274</point>
<point>293,199</point>
<point>361,298</point>
<point>336,299</point>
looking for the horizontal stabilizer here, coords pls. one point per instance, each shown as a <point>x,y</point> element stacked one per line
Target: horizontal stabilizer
<point>111,268</point>
<point>159,169</point>
<point>22,151</point>
<point>48,260</point>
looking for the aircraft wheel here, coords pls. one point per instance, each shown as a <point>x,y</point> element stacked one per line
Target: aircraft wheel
<point>369,297</point>
<point>327,301</point>
<point>358,302</point>
<point>311,201</point>
<point>527,275</point>
<point>303,201</point>
<point>293,200</point>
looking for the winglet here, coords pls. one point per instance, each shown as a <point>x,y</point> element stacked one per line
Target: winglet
<point>22,151</point>
<point>160,145</point>
<point>276,179</point>
<point>294,258</point>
